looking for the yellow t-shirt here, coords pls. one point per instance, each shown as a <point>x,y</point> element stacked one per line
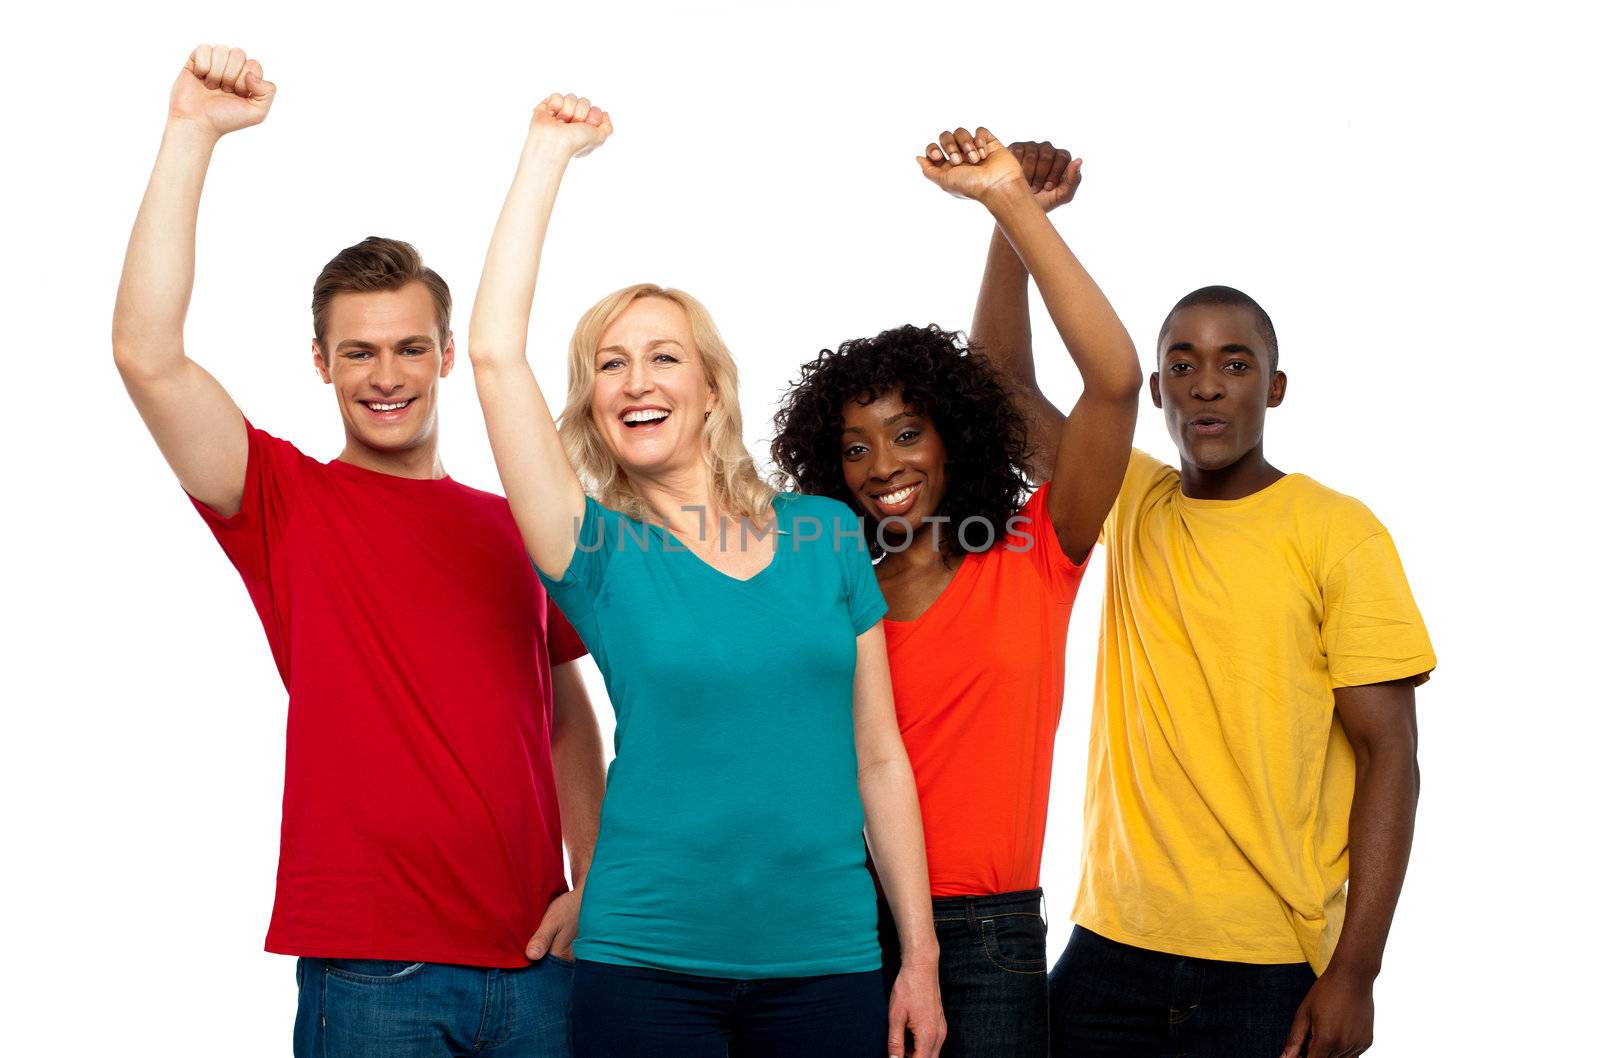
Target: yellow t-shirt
<point>1219,786</point>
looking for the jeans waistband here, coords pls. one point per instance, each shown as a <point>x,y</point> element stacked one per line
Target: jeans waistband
<point>1024,901</point>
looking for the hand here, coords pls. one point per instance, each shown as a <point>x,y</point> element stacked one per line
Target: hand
<point>1053,174</point>
<point>1334,1019</point>
<point>914,1005</point>
<point>972,165</point>
<point>220,90</point>
<point>557,928</point>
<point>568,125</point>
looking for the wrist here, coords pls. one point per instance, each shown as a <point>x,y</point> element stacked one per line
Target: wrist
<point>192,132</point>
<point>541,151</point>
<point>1007,199</point>
<point>1351,968</point>
<point>921,954</point>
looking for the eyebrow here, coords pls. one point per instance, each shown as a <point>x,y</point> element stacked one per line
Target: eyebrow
<point>651,344</point>
<point>890,421</point>
<point>359,343</point>
<point>1230,347</point>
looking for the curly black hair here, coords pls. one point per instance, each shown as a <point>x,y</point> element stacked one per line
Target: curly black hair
<point>939,376</point>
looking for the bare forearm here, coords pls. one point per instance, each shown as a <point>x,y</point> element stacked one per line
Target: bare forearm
<point>158,272</point>
<point>894,837</point>
<point>1382,820</point>
<point>1095,338</point>
<point>575,746</point>
<point>499,327</point>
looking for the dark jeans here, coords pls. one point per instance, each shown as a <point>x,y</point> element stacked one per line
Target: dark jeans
<point>375,1008</point>
<point>1116,1000</point>
<point>991,973</point>
<point>634,1012</point>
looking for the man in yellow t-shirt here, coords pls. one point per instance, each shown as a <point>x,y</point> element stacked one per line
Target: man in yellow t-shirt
<point>1253,743</point>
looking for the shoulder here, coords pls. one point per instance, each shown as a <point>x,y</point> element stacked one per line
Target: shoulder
<point>1145,471</point>
<point>1341,513</point>
<point>1333,524</point>
<point>275,449</point>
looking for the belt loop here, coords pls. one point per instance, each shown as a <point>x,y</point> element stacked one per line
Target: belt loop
<point>972,917</point>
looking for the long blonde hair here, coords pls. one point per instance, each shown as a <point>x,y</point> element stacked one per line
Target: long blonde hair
<point>737,488</point>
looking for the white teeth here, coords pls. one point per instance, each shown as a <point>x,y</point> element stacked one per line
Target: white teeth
<point>645,415</point>
<point>889,499</point>
<point>375,406</point>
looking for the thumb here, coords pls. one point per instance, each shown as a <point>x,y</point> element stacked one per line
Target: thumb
<point>539,943</point>
<point>257,87</point>
<point>929,170</point>
<point>1298,1032</point>
<point>1074,174</point>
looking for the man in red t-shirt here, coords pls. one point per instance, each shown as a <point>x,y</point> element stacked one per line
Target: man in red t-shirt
<point>440,743</point>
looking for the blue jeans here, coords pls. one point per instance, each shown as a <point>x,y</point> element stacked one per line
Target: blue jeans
<point>1110,999</point>
<point>375,1008</point>
<point>991,973</point>
<point>634,1012</point>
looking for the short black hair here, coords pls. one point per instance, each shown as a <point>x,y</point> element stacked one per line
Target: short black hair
<point>1221,295</point>
<point>967,399</point>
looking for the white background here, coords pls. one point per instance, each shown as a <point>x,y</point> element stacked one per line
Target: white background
<point>1406,190</point>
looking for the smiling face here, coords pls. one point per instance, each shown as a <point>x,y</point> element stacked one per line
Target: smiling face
<point>1215,384</point>
<point>651,393</point>
<point>384,356</point>
<point>893,461</point>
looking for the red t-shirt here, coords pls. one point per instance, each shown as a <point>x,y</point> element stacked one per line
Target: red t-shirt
<point>978,680</point>
<point>420,819</point>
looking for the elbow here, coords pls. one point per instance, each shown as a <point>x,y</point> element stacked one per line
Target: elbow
<point>1124,385</point>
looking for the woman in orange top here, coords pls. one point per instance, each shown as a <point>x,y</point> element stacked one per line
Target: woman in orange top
<point>926,442</point>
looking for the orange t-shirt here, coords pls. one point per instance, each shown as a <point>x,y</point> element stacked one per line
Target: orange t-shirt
<point>978,680</point>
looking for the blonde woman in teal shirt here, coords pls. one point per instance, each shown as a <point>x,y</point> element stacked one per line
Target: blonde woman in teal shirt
<point>728,910</point>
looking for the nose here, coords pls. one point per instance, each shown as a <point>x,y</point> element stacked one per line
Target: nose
<point>638,381</point>
<point>387,374</point>
<point>1206,385</point>
<point>885,463</point>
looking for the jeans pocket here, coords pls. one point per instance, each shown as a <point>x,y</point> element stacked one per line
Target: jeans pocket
<point>372,971</point>
<point>1015,942</point>
<point>561,960</point>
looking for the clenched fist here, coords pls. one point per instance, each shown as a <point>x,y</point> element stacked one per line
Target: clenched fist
<point>568,124</point>
<point>220,89</point>
<point>1053,174</point>
<point>972,165</point>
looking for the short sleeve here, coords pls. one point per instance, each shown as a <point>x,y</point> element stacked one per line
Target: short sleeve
<point>1144,473</point>
<point>1371,627</point>
<point>562,642</point>
<point>863,598</point>
<point>575,590</point>
<point>1031,531</point>
<point>249,537</point>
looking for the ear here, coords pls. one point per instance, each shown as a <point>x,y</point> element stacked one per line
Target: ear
<point>320,361</point>
<point>448,360</point>
<point>1155,389</point>
<point>1275,389</point>
<point>711,398</point>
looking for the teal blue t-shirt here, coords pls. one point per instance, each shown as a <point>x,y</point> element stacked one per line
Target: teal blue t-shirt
<point>731,832</point>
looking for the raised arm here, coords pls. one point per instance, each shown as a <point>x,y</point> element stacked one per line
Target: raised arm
<point>1380,720</point>
<point>894,837</point>
<point>193,420</point>
<point>543,490</point>
<point>1000,323</point>
<point>1091,453</point>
